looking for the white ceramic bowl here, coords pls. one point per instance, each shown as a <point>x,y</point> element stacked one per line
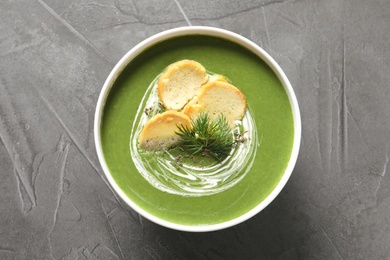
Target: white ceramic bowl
<point>199,30</point>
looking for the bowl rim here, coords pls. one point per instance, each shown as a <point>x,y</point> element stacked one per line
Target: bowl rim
<point>208,31</point>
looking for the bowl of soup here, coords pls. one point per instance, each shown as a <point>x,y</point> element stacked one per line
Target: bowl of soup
<point>206,197</point>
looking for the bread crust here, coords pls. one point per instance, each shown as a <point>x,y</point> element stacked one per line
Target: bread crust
<point>185,86</point>
<point>159,132</point>
<point>219,97</point>
<point>179,82</point>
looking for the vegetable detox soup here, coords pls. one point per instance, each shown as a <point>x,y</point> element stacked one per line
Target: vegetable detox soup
<point>267,101</point>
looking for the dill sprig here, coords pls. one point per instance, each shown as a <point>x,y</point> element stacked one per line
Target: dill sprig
<point>207,136</point>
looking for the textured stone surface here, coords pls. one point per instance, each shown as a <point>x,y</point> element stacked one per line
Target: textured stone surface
<point>55,202</point>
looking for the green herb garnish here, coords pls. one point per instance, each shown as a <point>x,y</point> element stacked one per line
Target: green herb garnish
<point>207,136</point>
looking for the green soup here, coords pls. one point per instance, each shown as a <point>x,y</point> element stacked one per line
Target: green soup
<point>270,108</point>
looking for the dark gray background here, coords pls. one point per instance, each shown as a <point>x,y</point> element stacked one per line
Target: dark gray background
<point>54,200</point>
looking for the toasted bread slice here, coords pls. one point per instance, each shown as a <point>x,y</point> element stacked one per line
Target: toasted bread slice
<point>217,77</point>
<point>192,102</point>
<point>180,82</point>
<point>159,132</point>
<point>193,111</point>
<point>218,97</point>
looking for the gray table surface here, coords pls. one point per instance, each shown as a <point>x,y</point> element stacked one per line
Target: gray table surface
<point>54,199</point>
